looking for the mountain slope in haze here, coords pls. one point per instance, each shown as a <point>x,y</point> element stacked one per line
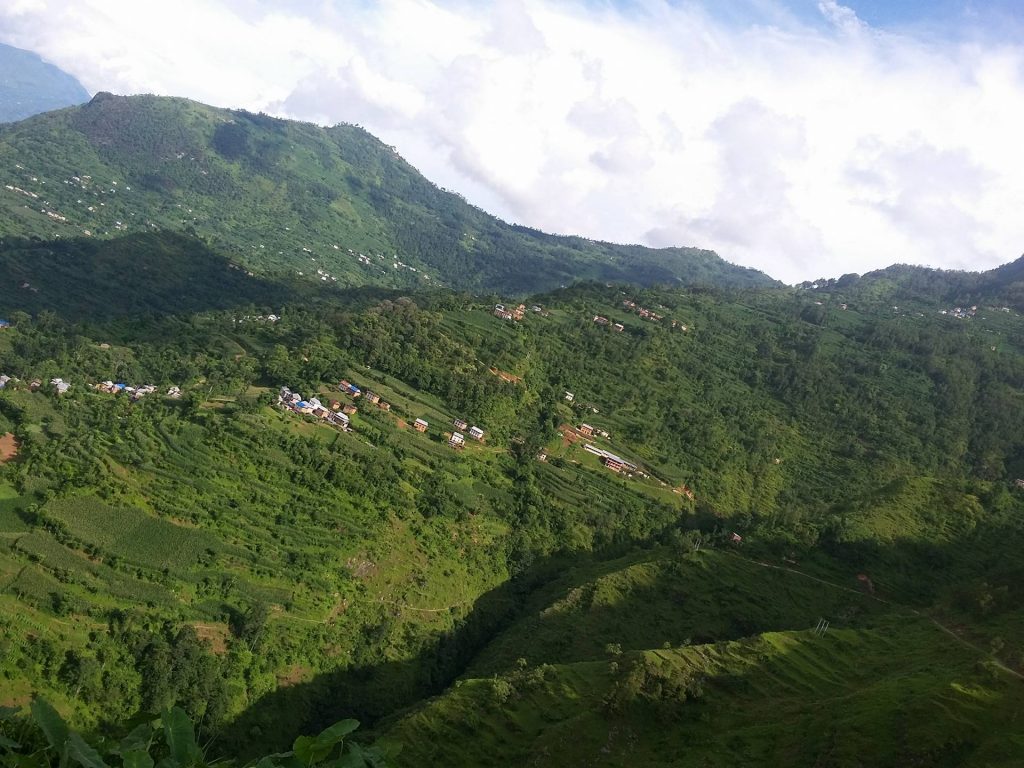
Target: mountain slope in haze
<point>330,204</point>
<point>29,85</point>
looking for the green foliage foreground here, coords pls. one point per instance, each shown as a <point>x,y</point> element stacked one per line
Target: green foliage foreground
<point>167,741</point>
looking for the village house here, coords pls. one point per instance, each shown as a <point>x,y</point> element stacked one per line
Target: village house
<point>502,313</point>
<point>619,327</point>
<point>34,385</point>
<point>4,324</point>
<point>457,440</point>
<point>536,308</point>
<point>372,397</point>
<point>174,393</point>
<point>519,312</point>
<point>601,320</point>
<point>569,396</point>
<point>313,407</point>
<point>610,460</point>
<point>60,386</point>
<point>348,409</point>
<point>460,424</point>
<point>476,433</point>
<point>349,388</point>
<point>586,430</point>
<point>384,406</point>
<point>614,464</point>
<point>142,391</point>
<point>3,380</point>
<point>420,425</point>
<point>335,405</point>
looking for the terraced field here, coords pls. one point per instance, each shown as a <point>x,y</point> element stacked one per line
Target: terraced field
<point>898,692</point>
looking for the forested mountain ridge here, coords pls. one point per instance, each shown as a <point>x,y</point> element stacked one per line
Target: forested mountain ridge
<point>998,287</point>
<point>29,85</point>
<point>271,572</point>
<point>329,204</point>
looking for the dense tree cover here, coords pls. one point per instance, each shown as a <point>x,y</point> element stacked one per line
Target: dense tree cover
<point>276,194</point>
<point>269,574</point>
<point>918,285</point>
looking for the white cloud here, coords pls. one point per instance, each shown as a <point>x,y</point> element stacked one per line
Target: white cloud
<point>802,150</point>
<point>842,17</point>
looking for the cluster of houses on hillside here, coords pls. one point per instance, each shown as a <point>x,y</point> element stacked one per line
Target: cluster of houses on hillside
<point>588,431</point>
<point>515,314</point>
<point>458,440</point>
<point>601,320</point>
<point>59,385</point>
<point>258,318</point>
<point>961,312</point>
<point>136,393</point>
<point>650,314</point>
<point>332,414</point>
<point>645,314</point>
<point>353,391</point>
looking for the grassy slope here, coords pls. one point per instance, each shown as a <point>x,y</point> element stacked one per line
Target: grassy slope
<point>897,695</point>
<point>662,597</point>
<point>279,195</point>
<point>883,686</point>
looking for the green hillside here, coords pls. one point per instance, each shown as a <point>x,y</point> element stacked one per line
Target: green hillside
<point>899,694</point>
<point>332,205</point>
<point>951,289</point>
<point>784,456</point>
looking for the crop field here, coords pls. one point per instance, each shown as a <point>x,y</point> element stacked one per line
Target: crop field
<point>131,534</point>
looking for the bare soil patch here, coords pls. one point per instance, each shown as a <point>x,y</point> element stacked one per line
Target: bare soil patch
<point>215,634</point>
<point>8,447</point>
<point>292,675</point>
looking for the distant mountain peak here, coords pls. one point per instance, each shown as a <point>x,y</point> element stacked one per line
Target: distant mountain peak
<point>29,85</point>
<point>335,205</point>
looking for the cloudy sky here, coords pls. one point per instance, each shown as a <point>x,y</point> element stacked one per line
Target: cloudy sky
<point>806,138</point>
